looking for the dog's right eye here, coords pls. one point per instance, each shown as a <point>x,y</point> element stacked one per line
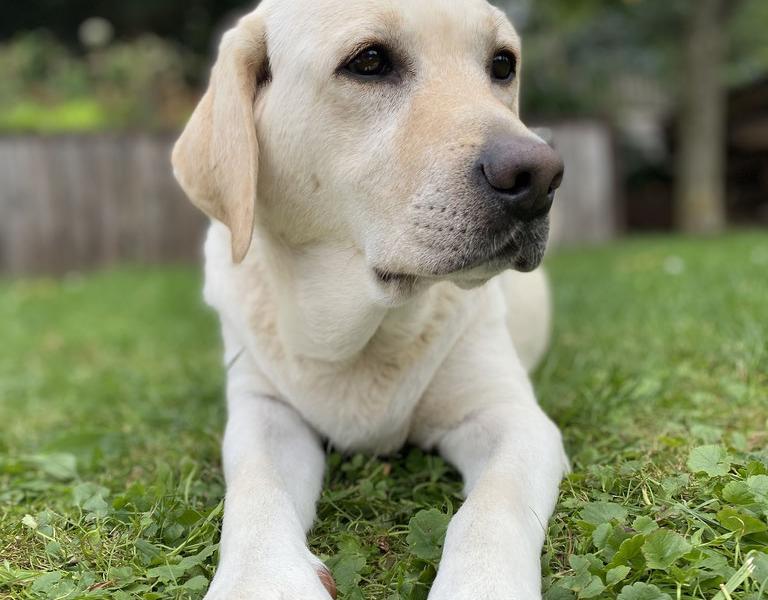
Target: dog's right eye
<point>371,63</point>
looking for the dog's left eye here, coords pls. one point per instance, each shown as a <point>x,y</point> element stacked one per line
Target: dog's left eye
<point>371,63</point>
<point>504,66</point>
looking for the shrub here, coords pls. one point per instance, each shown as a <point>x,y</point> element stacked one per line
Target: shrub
<point>126,85</point>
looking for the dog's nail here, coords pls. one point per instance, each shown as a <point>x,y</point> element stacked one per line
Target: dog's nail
<point>327,580</point>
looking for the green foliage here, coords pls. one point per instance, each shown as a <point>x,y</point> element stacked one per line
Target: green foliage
<point>749,52</point>
<point>110,399</point>
<point>712,460</point>
<point>70,115</point>
<point>580,56</point>
<point>425,539</point>
<point>125,85</point>
<point>642,591</point>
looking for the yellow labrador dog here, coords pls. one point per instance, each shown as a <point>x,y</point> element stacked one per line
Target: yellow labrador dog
<point>375,200</point>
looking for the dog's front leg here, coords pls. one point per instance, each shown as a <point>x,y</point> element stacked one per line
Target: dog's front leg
<point>482,415</point>
<point>512,463</point>
<point>273,466</point>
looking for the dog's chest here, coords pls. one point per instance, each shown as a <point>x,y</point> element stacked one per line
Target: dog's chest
<point>365,403</point>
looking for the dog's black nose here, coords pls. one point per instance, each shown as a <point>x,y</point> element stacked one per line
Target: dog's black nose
<point>523,173</point>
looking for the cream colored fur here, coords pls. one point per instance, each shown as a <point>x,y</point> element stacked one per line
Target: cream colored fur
<point>316,184</point>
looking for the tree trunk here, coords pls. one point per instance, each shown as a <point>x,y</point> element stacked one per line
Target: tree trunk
<point>700,193</point>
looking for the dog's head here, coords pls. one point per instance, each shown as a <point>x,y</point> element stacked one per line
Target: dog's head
<point>389,126</point>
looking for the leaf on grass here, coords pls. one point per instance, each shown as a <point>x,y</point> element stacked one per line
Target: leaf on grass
<point>758,485</point>
<point>165,573</point>
<point>173,572</point>
<point>61,466</point>
<point>629,552</point>
<point>427,534</point>
<point>121,574</point>
<point>737,492</point>
<point>714,562</point>
<point>663,548</point>
<point>760,574</point>
<point>712,460</point>
<point>595,587</point>
<point>97,507</point>
<point>85,491</point>
<point>348,566</point>
<point>597,513</point>
<point>172,532</point>
<point>617,574</point>
<point>147,550</point>
<point>46,582</point>
<point>584,581</point>
<point>29,521</point>
<point>53,548</point>
<point>674,484</point>
<point>347,572</point>
<point>557,592</point>
<point>756,467</point>
<point>189,517</point>
<point>191,561</point>
<point>602,535</point>
<point>740,522</point>
<point>644,525</point>
<point>642,591</point>
<point>196,584</point>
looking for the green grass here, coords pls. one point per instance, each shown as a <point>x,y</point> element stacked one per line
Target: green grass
<point>111,413</point>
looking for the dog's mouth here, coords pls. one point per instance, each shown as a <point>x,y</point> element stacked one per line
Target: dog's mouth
<point>522,251</point>
<point>401,280</point>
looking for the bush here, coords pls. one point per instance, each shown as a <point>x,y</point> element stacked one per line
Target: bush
<point>127,85</point>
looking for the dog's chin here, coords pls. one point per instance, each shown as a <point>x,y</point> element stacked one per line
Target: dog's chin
<point>522,251</point>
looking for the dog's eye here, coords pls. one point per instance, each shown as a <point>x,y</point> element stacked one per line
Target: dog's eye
<point>504,66</point>
<point>371,63</point>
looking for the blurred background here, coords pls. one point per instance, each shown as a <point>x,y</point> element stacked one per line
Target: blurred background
<point>660,108</point>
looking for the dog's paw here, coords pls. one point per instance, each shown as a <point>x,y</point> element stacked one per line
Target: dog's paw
<point>312,581</point>
<point>482,584</point>
<point>487,558</point>
<point>473,589</point>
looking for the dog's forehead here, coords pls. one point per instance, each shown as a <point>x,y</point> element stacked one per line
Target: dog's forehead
<point>321,22</point>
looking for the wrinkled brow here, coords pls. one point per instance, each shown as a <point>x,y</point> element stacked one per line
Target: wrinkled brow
<point>504,33</point>
<point>382,27</point>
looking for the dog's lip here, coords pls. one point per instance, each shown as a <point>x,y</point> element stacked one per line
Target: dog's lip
<point>507,250</point>
<point>508,253</point>
<point>388,277</point>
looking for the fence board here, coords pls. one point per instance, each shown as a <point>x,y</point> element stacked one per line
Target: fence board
<point>586,206</point>
<point>81,202</point>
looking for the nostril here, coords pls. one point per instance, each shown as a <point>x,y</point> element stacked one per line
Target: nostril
<point>521,184</point>
<point>512,184</point>
<point>556,183</point>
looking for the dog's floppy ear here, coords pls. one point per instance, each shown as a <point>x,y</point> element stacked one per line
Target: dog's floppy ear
<point>216,158</point>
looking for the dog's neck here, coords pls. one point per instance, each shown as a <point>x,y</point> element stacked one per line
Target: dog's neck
<point>324,313</point>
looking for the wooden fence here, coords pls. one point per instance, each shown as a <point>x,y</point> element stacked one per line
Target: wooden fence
<point>81,202</point>
<point>587,206</point>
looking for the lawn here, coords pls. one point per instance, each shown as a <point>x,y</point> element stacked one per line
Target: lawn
<point>111,412</point>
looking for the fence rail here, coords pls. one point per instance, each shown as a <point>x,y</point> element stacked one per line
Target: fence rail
<point>80,202</point>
